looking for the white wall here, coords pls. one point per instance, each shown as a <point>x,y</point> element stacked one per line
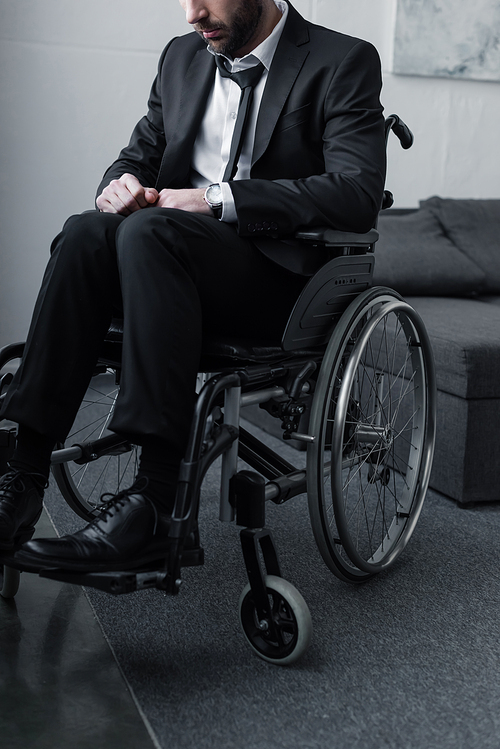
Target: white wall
<point>75,78</point>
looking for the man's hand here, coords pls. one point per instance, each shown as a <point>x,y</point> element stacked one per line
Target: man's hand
<point>191,200</point>
<point>126,195</point>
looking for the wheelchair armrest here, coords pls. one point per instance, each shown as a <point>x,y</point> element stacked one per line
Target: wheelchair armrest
<point>333,238</point>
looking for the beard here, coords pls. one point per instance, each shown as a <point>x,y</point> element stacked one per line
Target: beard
<point>238,32</point>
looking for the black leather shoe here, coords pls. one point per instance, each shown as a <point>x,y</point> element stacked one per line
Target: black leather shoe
<point>20,507</point>
<point>128,533</point>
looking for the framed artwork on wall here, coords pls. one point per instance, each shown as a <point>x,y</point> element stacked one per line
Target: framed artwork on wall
<point>448,38</point>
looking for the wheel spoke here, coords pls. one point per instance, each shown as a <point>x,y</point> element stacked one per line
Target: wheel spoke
<point>84,485</point>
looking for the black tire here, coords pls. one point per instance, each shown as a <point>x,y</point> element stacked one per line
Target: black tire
<point>291,617</point>
<point>10,358</point>
<point>373,419</point>
<point>83,485</point>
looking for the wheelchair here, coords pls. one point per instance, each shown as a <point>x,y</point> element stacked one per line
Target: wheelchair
<point>352,380</point>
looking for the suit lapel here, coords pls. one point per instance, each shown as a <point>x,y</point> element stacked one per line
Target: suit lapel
<point>293,48</point>
<point>288,60</point>
<point>196,87</point>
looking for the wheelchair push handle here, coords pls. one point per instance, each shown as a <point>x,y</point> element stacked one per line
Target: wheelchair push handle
<point>399,128</point>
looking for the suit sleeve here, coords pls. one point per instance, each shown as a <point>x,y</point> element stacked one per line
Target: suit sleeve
<point>142,157</point>
<point>348,194</point>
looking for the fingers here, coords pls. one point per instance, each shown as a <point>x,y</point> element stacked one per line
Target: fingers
<point>125,196</point>
<point>151,195</point>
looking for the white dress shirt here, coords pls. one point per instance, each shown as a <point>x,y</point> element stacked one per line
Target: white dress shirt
<point>212,145</point>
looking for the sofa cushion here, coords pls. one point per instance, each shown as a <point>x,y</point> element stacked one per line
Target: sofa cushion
<point>465,338</point>
<point>413,256</point>
<point>474,227</point>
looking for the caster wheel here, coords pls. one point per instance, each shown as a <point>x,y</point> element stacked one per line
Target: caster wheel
<point>9,582</point>
<point>292,621</point>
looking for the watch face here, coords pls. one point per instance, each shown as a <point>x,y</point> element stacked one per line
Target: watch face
<point>214,195</point>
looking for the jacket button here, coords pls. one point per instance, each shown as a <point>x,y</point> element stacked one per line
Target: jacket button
<point>251,227</point>
<point>259,227</point>
<point>274,226</point>
<point>265,225</point>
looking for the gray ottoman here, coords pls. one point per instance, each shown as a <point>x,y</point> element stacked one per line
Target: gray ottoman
<point>465,337</point>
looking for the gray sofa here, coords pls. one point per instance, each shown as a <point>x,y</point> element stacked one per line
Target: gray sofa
<point>445,260</point>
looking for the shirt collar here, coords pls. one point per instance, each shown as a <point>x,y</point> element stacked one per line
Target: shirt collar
<point>264,53</point>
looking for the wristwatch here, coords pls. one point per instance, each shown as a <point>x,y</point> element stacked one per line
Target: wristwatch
<point>213,197</point>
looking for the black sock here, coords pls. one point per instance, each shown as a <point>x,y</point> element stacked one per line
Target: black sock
<point>32,452</point>
<point>160,465</point>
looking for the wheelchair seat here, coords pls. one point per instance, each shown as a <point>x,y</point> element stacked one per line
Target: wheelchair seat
<point>219,352</point>
<point>320,305</point>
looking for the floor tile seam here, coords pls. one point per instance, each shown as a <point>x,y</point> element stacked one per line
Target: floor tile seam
<point>135,700</point>
<point>139,709</point>
<point>55,528</point>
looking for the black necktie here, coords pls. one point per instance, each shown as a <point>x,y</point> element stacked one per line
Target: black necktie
<point>246,80</point>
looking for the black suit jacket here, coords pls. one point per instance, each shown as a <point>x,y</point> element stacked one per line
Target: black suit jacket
<point>319,153</point>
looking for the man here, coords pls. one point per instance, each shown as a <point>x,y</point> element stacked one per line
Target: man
<point>193,234</point>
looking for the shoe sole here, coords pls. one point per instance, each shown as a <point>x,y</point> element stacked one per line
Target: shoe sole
<point>28,562</point>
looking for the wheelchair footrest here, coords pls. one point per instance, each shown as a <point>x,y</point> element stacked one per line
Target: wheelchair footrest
<point>124,581</point>
<point>110,582</point>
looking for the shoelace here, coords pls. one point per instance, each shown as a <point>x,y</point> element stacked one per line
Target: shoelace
<point>108,508</point>
<point>14,481</point>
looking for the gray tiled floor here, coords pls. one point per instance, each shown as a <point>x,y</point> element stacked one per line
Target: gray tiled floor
<point>60,685</point>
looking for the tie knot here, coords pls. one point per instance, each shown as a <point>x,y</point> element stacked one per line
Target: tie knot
<point>244,78</point>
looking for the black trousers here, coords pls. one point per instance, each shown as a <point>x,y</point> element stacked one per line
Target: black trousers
<point>176,277</point>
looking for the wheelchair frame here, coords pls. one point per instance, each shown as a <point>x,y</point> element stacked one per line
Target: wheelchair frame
<point>327,384</point>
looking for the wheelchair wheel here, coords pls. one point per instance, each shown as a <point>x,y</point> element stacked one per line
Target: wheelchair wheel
<point>373,417</point>
<point>82,485</point>
<point>10,358</point>
<point>291,618</point>
<point>9,581</point>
